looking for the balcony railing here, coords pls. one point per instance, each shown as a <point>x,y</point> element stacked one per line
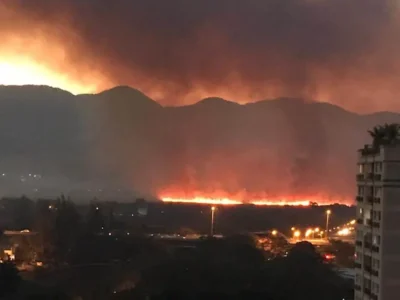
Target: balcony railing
<point>370,199</point>
<point>373,296</point>
<point>357,265</point>
<point>377,177</point>
<point>359,243</point>
<point>359,198</point>
<point>368,269</point>
<point>367,291</point>
<point>369,176</point>
<point>359,221</point>
<point>375,248</point>
<point>357,287</point>
<point>367,245</point>
<point>376,224</point>
<point>360,177</point>
<point>369,222</point>
<point>375,273</point>
<point>369,150</point>
<point>377,200</point>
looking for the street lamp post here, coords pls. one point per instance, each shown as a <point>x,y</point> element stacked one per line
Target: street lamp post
<point>328,214</point>
<point>213,208</point>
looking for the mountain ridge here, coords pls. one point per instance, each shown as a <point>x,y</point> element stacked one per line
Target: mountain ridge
<point>276,146</point>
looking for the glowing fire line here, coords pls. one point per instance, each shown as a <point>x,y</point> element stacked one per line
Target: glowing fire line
<point>227,201</point>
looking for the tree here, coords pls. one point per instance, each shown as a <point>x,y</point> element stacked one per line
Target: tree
<point>384,135</point>
<point>58,226</point>
<point>95,220</point>
<point>9,278</point>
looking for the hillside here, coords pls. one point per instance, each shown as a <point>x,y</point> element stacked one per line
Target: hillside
<point>121,137</point>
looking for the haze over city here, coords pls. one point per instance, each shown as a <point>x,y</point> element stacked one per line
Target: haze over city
<point>292,53</point>
<point>199,149</point>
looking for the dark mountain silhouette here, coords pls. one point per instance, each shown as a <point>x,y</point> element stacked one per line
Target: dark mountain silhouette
<point>122,137</point>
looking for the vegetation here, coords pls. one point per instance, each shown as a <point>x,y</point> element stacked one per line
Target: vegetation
<point>9,279</point>
<point>384,134</point>
<point>86,255</point>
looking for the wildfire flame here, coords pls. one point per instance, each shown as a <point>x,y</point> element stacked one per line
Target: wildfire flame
<point>240,199</point>
<point>188,195</point>
<point>227,201</point>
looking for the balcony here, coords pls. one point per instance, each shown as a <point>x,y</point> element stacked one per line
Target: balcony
<point>359,243</point>
<point>359,198</point>
<point>359,221</point>
<point>375,248</point>
<point>373,296</point>
<point>377,200</point>
<point>369,176</point>
<point>377,177</point>
<point>367,245</point>
<point>357,265</point>
<point>367,291</point>
<point>368,222</point>
<point>357,287</point>
<point>370,199</point>
<point>375,273</point>
<point>369,150</point>
<point>376,224</point>
<point>360,177</point>
<point>368,269</point>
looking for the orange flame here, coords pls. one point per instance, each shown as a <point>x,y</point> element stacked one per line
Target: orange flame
<point>224,198</point>
<point>227,201</point>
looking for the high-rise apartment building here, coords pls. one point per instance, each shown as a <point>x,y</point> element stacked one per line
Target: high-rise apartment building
<point>378,224</point>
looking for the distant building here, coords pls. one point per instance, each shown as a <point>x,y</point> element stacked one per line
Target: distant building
<point>377,272</point>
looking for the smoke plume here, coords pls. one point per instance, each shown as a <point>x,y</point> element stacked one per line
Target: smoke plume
<point>179,51</point>
<point>340,51</point>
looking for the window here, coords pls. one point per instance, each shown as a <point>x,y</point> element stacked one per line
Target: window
<point>376,215</point>
<point>358,279</point>
<point>367,283</point>
<point>375,288</point>
<point>360,168</point>
<point>361,190</point>
<point>378,167</point>
<point>378,192</point>
<point>376,240</point>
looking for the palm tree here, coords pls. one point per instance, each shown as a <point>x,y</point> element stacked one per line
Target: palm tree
<point>384,135</point>
<point>378,135</point>
<point>391,132</point>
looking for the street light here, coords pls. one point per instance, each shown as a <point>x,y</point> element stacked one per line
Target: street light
<point>309,232</point>
<point>213,208</point>
<point>328,214</point>
<point>296,234</point>
<point>274,232</point>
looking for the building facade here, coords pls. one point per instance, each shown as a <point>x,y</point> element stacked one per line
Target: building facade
<point>377,257</point>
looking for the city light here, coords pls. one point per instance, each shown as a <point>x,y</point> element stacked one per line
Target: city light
<point>309,232</point>
<point>274,232</point>
<point>344,232</point>
<point>297,234</point>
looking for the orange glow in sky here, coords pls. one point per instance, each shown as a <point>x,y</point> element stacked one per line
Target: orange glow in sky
<point>24,71</point>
